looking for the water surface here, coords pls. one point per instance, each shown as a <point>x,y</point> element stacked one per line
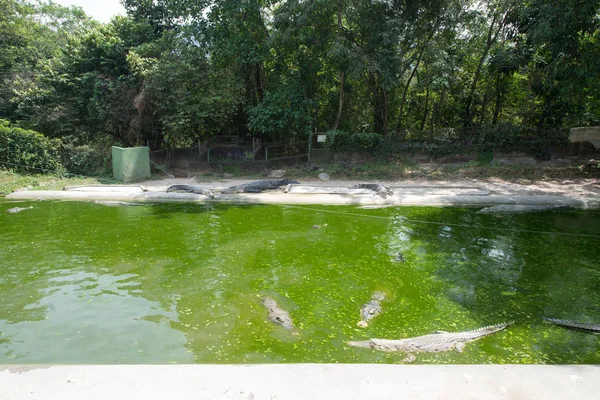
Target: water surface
<point>181,283</point>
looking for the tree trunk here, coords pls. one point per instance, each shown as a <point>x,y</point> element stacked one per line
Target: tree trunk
<point>484,104</point>
<point>491,38</point>
<point>259,82</point>
<point>424,119</point>
<point>498,107</point>
<point>341,100</point>
<point>380,104</point>
<point>413,72</point>
<point>437,111</point>
<point>342,75</point>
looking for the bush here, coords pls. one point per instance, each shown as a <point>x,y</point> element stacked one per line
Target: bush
<point>84,159</point>
<point>344,141</point>
<point>26,150</point>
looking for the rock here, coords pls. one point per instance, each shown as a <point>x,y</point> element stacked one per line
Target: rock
<point>454,165</point>
<point>421,158</point>
<point>556,161</point>
<point>456,158</point>
<point>324,176</point>
<point>515,161</point>
<point>416,174</point>
<point>276,174</point>
<point>227,175</point>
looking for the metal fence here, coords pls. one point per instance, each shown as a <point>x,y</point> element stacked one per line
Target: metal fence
<point>229,150</point>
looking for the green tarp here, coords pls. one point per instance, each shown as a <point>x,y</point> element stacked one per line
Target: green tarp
<point>131,164</point>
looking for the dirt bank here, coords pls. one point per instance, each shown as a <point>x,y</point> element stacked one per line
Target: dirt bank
<point>571,187</point>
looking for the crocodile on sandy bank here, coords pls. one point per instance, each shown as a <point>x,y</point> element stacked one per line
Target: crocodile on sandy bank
<point>191,189</point>
<point>592,328</point>
<point>259,186</point>
<point>370,310</point>
<point>277,315</point>
<point>433,343</point>
<point>381,190</point>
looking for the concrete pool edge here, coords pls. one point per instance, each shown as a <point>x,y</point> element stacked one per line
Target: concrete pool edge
<point>325,199</point>
<point>299,381</point>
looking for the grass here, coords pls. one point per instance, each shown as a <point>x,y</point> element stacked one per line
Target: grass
<point>11,181</point>
<point>472,170</point>
<point>400,170</point>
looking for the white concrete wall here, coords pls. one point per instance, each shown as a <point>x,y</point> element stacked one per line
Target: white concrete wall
<point>588,134</point>
<point>300,381</point>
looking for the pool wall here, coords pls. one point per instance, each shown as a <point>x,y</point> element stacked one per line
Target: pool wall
<point>300,381</point>
<point>328,199</point>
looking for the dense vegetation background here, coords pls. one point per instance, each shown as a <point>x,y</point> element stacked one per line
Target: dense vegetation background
<point>174,72</point>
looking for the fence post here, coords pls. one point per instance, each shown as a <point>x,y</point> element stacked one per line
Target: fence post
<point>266,153</point>
<point>208,155</point>
<point>310,136</point>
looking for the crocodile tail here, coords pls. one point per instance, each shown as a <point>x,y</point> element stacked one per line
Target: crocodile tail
<point>187,188</point>
<point>572,324</point>
<point>488,330</point>
<point>366,344</point>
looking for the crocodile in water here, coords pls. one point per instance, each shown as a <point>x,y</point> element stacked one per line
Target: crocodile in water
<point>593,328</point>
<point>381,190</point>
<point>259,186</point>
<point>191,189</point>
<point>370,310</point>
<point>433,343</point>
<point>120,203</point>
<point>277,315</point>
<point>15,210</point>
<point>518,209</point>
<point>399,258</point>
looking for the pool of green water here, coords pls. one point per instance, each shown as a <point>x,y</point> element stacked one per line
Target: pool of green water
<point>182,283</point>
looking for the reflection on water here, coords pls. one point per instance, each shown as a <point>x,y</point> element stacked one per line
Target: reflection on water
<point>85,283</point>
<point>83,317</point>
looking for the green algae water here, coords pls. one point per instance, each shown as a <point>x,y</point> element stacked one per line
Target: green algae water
<point>182,283</point>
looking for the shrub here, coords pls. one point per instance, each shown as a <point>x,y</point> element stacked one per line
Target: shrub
<point>26,150</point>
<point>84,159</point>
<point>344,141</point>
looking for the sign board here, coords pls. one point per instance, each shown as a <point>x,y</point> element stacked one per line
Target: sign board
<point>321,138</point>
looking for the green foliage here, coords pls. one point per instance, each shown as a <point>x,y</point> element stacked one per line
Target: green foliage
<point>174,72</point>
<point>85,159</point>
<point>281,114</point>
<point>26,150</point>
<point>11,180</point>
<point>344,141</point>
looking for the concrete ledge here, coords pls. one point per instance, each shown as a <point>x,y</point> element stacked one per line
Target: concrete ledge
<point>328,199</point>
<point>300,381</point>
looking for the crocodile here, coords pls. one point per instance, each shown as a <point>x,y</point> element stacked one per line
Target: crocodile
<point>15,210</point>
<point>381,190</point>
<point>120,203</point>
<point>319,226</point>
<point>592,328</point>
<point>277,315</point>
<point>518,209</point>
<point>399,258</point>
<point>259,186</point>
<point>432,343</point>
<point>370,310</point>
<point>191,189</point>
